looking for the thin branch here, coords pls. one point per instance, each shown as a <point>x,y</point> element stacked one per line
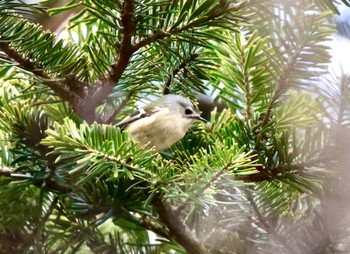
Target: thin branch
<point>155,227</point>
<point>268,228</point>
<point>106,83</point>
<point>282,88</point>
<point>51,184</point>
<point>40,224</point>
<point>118,109</point>
<point>58,87</point>
<point>183,65</point>
<point>216,13</point>
<point>50,209</point>
<point>282,85</point>
<point>343,91</point>
<point>248,92</point>
<point>181,233</point>
<point>266,174</point>
<point>184,204</point>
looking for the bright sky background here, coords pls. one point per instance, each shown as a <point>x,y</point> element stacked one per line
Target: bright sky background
<point>341,45</point>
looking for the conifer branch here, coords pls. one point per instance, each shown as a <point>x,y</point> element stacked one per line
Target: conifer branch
<point>269,229</point>
<point>58,87</point>
<point>71,90</point>
<point>106,83</point>
<point>117,110</point>
<point>184,204</point>
<point>266,174</point>
<point>282,87</point>
<point>248,91</point>
<point>150,224</point>
<point>177,229</point>
<point>182,66</point>
<point>50,183</point>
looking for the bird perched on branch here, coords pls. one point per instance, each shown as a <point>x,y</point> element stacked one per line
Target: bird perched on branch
<point>161,123</point>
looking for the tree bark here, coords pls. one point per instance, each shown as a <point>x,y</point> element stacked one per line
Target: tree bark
<point>181,233</point>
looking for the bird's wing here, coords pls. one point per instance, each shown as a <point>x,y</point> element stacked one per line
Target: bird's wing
<point>138,114</point>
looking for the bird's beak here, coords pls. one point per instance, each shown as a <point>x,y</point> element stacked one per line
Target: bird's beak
<point>202,119</point>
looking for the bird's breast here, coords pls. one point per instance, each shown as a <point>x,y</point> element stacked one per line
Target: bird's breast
<point>160,130</point>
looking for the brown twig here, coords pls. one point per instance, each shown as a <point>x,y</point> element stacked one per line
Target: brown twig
<point>50,183</point>
<point>86,98</point>
<point>127,47</point>
<point>282,86</point>
<point>58,87</point>
<point>106,83</point>
<point>265,224</point>
<point>268,174</point>
<point>118,109</point>
<point>184,204</point>
<point>148,223</point>
<point>183,65</point>
<point>177,229</point>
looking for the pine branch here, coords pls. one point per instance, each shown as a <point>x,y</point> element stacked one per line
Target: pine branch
<point>299,40</point>
<point>153,226</point>
<point>50,183</point>
<point>38,230</point>
<point>177,229</point>
<point>58,87</point>
<point>84,98</point>
<point>282,86</point>
<point>248,96</point>
<point>71,89</point>
<point>268,228</point>
<point>50,209</point>
<point>106,83</point>
<point>185,203</point>
<point>182,66</point>
<point>117,110</point>
<point>86,233</point>
<point>217,12</point>
<point>269,174</point>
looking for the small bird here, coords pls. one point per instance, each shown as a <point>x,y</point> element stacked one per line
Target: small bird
<point>161,123</point>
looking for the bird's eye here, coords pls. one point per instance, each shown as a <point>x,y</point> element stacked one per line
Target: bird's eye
<point>188,111</point>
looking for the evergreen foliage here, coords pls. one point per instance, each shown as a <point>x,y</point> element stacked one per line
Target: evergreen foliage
<point>258,179</point>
